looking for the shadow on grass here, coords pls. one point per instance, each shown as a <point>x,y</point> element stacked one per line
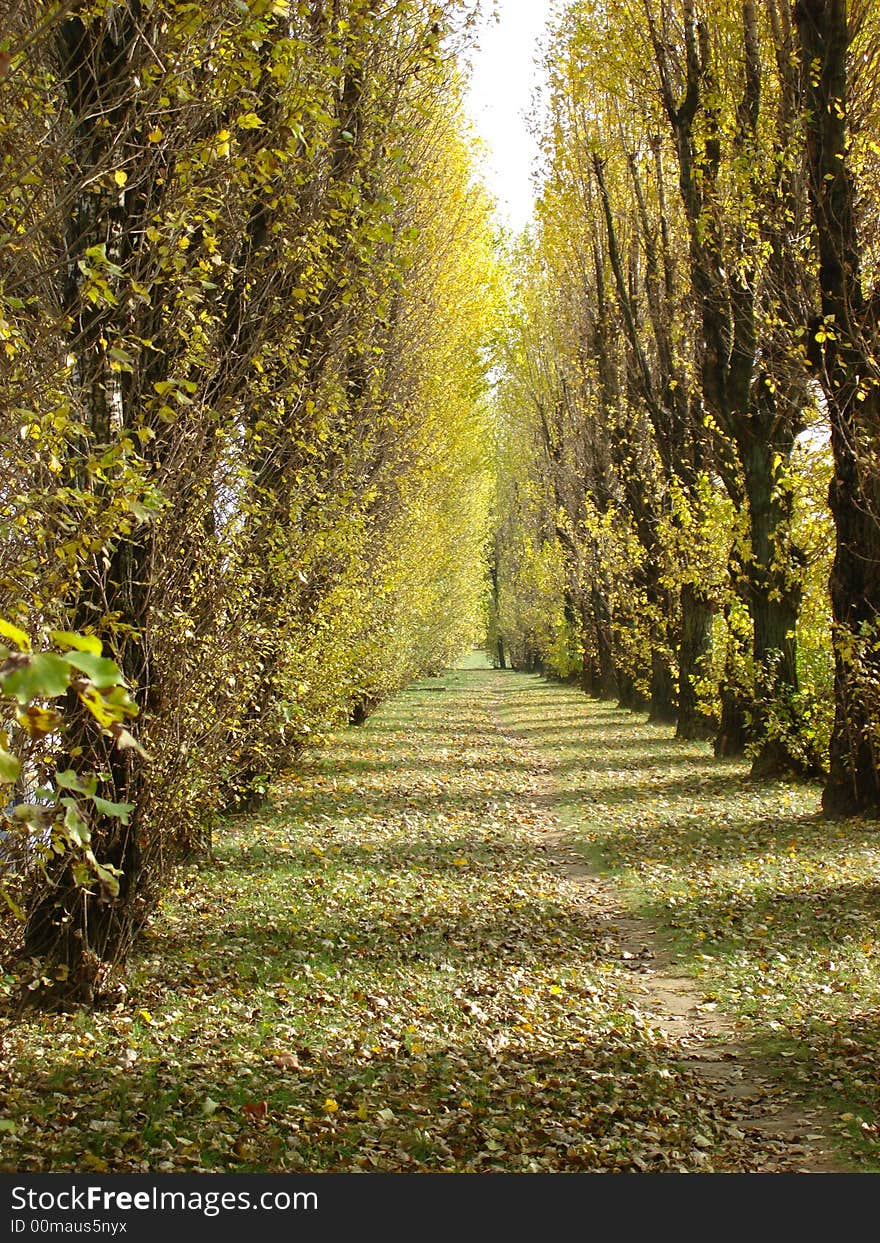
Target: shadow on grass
<point>401,854</point>
<point>568,727</point>
<point>387,937</point>
<point>699,790</point>
<point>683,840</point>
<point>811,920</point>
<point>608,1104</point>
<point>580,1102</point>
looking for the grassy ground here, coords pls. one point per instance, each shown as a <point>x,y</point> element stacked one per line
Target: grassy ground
<point>773,907</point>
<point>387,970</point>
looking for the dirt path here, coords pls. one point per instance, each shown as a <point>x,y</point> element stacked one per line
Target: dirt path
<point>784,1135</point>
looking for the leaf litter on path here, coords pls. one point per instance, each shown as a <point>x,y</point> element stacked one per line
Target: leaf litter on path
<point>391,968</point>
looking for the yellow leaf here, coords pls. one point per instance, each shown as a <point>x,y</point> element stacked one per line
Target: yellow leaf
<point>331,1106</point>
<point>221,143</point>
<point>80,642</point>
<point>146,1016</point>
<point>249,120</point>
<point>90,698</point>
<point>120,177</point>
<point>18,637</point>
<point>38,722</point>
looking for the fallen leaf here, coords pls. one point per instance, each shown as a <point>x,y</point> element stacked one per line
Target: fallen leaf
<point>286,1061</point>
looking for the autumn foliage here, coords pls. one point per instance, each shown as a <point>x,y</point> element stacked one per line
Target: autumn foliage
<point>691,361</point>
<point>244,292</point>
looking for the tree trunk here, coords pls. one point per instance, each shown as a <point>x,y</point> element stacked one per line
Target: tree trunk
<point>83,928</point>
<point>853,784</point>
<point>773,599</point>
<point>629,696</point>
<point>732,735</point>
<point>726,276</point>
<point>663,708</point>
<point>847,359</point>
<point>495,604</point>
<point>606,685</point>
<point>589,679</point>
<point>693,652</point>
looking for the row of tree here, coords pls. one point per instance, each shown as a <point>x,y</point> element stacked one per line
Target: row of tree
<point>693,358</point>
<point>245,285</point>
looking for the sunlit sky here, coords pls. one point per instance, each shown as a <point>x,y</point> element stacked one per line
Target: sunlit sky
<point>505,75</point>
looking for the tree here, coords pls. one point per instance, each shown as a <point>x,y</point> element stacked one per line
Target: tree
<point>846,347</point>
<point>234,477</point>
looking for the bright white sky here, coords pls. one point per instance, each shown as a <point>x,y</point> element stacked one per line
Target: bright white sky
<point>505,75</point>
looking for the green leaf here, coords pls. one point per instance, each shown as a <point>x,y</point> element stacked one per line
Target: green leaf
<point>69,780</point>
<point>82,874</point>
<point>120,700</point>
<point>80,642</point>
<point>107,874</point>
<point>13,906</point>
<point>102,672</point>
<point>29,813</point>
<point>44,676</point>
<point>10,767</point>
<point>143,513</point>
<point>76,829</point>
<point>120,811</point>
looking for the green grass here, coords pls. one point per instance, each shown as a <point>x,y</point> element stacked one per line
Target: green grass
<point>387,971</point>
<point>773,907</point>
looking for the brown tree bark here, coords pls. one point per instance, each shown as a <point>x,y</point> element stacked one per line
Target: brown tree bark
<point>697,612</point>
<point>848,339</point>
<point>735,388</point>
